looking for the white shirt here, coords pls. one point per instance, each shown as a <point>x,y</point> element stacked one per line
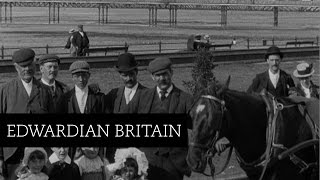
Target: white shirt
<point>54,158</point>
<point>306,91</point>
<point>82,34</point>
<point>274,78</point>
<point>81,95</point>
<point>46,83</point>
<point>168,91</point>
<point>27,86</point>
<point>130,92</point>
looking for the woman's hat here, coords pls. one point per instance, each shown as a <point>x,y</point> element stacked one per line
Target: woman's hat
<point>303,70</point>
<point>29,150</point>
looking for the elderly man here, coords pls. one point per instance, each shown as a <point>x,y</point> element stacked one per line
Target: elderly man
<point>80,40</point>
<point>49,67</point>
<point>165,97</point>
<point>274,80</point>
<point>81,99</point>
<point>23,94</point>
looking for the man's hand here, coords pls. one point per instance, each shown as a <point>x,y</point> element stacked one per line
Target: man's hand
<point>222,144</point>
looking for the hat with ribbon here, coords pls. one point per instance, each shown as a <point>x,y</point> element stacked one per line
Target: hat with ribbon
<point>303,70</point>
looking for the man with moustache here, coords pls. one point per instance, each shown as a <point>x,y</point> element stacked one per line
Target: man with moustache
<point>49,67</point>
<point>274,80</point>
<point>24,94</point>
<point>125,99</point>
<point>165,97</point>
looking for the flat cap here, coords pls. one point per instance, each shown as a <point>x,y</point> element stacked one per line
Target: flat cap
<point>273,50</point>
<point>159,65</point>
<point>48,58</point>
<point>23,57</point>
<point>79,66</point>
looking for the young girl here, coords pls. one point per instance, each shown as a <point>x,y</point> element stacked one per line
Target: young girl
<point>91,165</point>
<point>33,164</point>
<point>130,164</point>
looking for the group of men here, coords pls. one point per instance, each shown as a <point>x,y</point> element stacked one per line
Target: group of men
<point>26,94</point>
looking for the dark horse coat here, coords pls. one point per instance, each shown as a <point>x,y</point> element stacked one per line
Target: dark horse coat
<point>180,103</point>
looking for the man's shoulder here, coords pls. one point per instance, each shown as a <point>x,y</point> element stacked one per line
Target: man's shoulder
<point>10,84</point>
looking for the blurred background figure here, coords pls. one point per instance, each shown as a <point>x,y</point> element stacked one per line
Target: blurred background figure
<point>69,45</point>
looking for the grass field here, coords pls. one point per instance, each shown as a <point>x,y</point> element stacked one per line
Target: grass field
<point>241,77</point>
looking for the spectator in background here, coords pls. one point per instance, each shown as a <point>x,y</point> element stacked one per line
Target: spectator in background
<point>69,45</point>
<point>305,87</point>
<point>80,41</point>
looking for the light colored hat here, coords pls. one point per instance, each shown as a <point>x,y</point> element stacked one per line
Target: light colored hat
<point>29,150</point>
<point>122,154</point>
<point>71,31</point>
<point>206,37</point>
<point>79,66</point>
<point>303,70</point>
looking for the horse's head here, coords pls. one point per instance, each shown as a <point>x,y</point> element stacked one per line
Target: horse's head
<point>207,114</point>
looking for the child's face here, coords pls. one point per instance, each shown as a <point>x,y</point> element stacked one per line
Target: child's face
<point>90,152</point>
<point>129,173</point>
<point>61,152</point>
<point>36,165</point>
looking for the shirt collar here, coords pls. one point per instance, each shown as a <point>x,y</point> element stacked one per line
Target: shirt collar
<point>274,75</point>
<point>78,90</point>
<point>134,88</point>
<point>168,91</point>
<point>54,158</point>
<point>29,84</point>
<point>46,83</point>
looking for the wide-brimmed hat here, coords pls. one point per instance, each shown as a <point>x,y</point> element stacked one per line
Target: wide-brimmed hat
<point>273,50</point>
<point>126,62</point>
<point>303,70</point>
<point>29,150</point>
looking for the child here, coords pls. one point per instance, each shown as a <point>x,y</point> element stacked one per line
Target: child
<point>91,165</point>
<point>130,164</point>
<point>60,166</point>
<point>33,164</point>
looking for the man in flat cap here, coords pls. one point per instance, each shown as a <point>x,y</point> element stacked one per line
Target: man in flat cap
<point>274,80</point>
<point>24,94</point>
<point>80,40</point>
<point>165,97</point>
<point>125,98</point>
<point>49,67</point>
<point>81,99</point>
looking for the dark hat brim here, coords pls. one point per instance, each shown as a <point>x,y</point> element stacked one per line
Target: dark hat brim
<point>160,71</point>
<point>26,63</point>
<point>79,70</point>
<point>125,69</point>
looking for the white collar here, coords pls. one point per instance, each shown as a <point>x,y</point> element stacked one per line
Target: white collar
<point>82,34</point>
<point>46,83</point>
<point>168,91</point>
<point>274,75</point>
<point>78,90</point>
<point>29,84</point>
<point>54,158</point>
<point>133,89</point>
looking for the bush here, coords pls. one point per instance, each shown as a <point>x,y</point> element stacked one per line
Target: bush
<point>202,72</point>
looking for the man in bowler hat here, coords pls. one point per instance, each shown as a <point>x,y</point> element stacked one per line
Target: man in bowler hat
<point>24,94</point>
<point>165,97</point>
<point>125,99</point>
<point>274,80</point>
<point>80,41</point>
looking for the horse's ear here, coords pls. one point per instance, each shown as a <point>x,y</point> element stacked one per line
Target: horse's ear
<point>225,86</point>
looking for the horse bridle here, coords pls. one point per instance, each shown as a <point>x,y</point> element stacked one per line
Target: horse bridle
<point>211,150</point>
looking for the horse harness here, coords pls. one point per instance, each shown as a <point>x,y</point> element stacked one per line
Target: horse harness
<point>273,108</point>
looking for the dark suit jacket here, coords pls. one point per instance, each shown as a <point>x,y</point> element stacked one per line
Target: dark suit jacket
<point>115,96</point>
<point>61,89</point>
<point>80,42</point>
<point>95,103</point>
<point>314,90</point>
<point>65,172</point>
<point>180,102</point>
<point>262,81</point>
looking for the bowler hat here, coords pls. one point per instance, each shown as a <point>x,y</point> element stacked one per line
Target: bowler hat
<point>126,62</point>
<point>48,58</point>
<point>79,66</point>
<point>23,57</point>
<point>273,50</point>
<point>303,70</point>
<point>159,65</point>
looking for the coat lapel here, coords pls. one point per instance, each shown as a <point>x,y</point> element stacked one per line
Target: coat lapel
<point>36,88</point>
<point>266,80</point>
<point>23,91</point>
<point>91,101</point>
<point>175,98</point>
<point>117,101</point>
<point>73,104</point>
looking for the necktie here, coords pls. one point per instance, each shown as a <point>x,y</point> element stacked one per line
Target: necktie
<point>163,94</point>
<point>128,96</point>
<point>52,91</point>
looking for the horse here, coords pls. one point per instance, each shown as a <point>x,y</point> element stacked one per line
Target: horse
<point>245,121</point>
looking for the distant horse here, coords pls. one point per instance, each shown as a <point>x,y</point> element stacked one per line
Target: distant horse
<point>242,118</point>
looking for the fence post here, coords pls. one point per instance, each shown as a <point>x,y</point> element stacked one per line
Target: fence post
<point>159,46</point>
<point>248,43</point>
<point>2,52</point>
<point>272,40</point>
<point>47,49</point>
<point>126,45</point>
<point>317,40</point>
<point>296,40</point>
